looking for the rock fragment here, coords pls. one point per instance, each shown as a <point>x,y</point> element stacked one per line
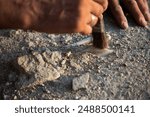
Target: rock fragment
<point>68,54</point>
<point>75,65</point>
<point>63,62</point>
<point>35,69</point>
<point>52,57</point>
<point>80,82</point>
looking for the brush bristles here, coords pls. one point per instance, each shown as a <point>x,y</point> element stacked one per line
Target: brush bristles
<point>100,40</point>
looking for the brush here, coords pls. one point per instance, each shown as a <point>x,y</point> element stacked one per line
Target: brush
<point>100,40</point>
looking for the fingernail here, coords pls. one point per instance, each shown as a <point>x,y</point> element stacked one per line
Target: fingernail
<point>124,25</point>
<point>143,22</point>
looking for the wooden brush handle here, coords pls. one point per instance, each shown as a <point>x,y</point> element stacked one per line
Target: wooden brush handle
<point>101,25</point>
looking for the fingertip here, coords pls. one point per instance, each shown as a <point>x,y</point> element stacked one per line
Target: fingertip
<point>87,30</point>
<point>143,22</point>
<point>147,16</point>
<point>124,25</point>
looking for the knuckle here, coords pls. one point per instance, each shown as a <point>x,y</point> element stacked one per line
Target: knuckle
<point>117,8</point>
<point>130,2</point>
<point>105,5</point>
<point>98,11</point>
<point>145,10</point>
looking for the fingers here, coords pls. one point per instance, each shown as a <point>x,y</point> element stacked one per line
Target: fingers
<point>118,13</point>
<point>87,30</point>
<point>133,7</point>
<point>104,3</point>
<point>96,9</point>
<point>143,5</point>
<point>94,20</point>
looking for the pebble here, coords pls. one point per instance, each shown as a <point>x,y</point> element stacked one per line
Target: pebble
<point>68,54</point>
<point>56,56</point>
<point>18,32</point>
<point>31,44</point>
<point>75,65</point>
<point>63,62</point>
<point>34,66</point>
<point>85,58</point>
<point>15,97</point>
<point>83,98</point>
<point>68,38</point>
<point>80,82</point>
<point>52,57</point>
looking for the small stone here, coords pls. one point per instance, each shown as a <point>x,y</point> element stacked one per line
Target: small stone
<point>80,82</point>
<point>77,97</point>
<point>83,98</point>
<point>52,57</point>
<point>104,94</point>
<point>18,32</point>
<point>23,48</point>
<point>99,71</point>
<point>111,64</point>
<point>39,58</point>
<point>36,69</point>
<point>69,53</point>
<point>54,43</point>
<point>38,39</point>
<point>117,42</point>
<point>61,69</point>
<point>85,58</point>
<point>75,65</point>
<point>68,38</point>
<point>47,91</point>
<point>15,97</point>
<point>31,44</point>
<point>56,56</point>
<point>108,36</point>
<point>63,62</point>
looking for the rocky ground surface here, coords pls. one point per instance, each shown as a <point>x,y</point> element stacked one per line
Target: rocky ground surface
<point>41,66</point>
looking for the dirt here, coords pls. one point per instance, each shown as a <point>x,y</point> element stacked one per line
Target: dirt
<point>123,74</point>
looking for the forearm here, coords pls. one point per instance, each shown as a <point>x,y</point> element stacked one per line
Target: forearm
<point>10,14</point>
<point>21,14</point>
<point>27,14</point>
<point>51,16</point>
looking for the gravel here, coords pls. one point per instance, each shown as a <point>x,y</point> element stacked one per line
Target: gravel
<point>40,66</point>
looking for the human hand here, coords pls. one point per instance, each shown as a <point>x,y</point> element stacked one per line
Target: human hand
<point>63,16</point>
<point>138,8</point>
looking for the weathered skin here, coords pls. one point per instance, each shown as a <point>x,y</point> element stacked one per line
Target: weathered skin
<point>137,8</point>
<point>52,16</point>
